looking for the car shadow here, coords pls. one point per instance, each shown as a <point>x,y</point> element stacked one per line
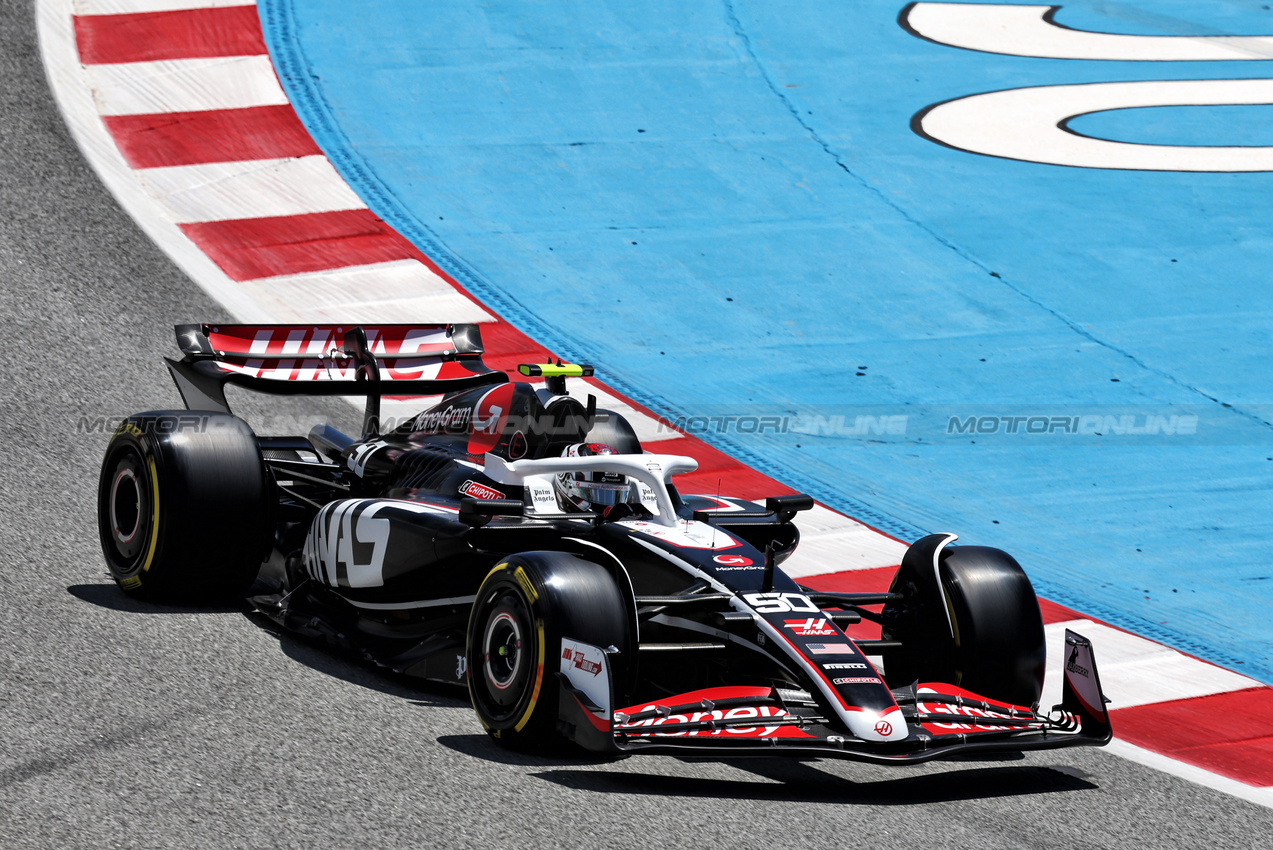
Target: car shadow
<point>788,780</point>
<point>795,781</point>
<point>320,657</point>
<point>356,669</point>
<point>111,597</point>
<point>483,747</point>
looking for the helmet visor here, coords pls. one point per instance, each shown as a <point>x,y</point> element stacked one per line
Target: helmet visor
<point>603,494</point>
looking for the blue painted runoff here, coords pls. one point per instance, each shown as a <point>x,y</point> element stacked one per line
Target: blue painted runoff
<point>723,206</point>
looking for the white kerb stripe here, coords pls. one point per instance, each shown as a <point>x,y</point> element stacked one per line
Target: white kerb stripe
<point>184,85</point>
<point>66,77</point>
<point>647,427</point>
<point>399,291</point>
<point>123,7</point>
<point>253,189</point>
<point>1136,671</point>
<point>1167,764</point>
<point>830,542</point>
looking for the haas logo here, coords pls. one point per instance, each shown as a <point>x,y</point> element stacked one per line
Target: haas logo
<point>884,728</point>
<point>490,414</point>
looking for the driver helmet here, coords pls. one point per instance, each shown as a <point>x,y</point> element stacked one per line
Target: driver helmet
<point>587,490</point>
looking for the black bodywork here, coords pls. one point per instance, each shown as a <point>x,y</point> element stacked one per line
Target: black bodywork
<point>379,544</point>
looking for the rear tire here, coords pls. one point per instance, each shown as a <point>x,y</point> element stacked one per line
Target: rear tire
<point>184,506</point>
<point>997,649</point>
<point>525,606</point>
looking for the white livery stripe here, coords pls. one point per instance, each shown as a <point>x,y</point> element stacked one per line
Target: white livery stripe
<point>184,85</point>
<point>124,7</point>
<point>1136,671</point>
<point>260,188</point>
<point>407,290</point>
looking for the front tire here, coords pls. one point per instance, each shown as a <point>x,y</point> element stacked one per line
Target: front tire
<point>980,628</point>
<point>523,610</point>
<point>184,506</point>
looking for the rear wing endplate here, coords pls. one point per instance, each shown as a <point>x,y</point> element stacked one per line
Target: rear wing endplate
<point>328,360</point>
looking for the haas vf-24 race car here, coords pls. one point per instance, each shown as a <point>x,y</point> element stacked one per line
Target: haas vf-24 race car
<point>518,540</point>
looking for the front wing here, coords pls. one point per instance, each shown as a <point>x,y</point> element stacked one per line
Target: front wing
<point>942,720</point>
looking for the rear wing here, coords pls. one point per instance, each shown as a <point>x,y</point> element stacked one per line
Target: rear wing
<point>326,360</point>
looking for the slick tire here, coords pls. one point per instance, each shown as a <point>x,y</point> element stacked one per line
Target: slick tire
<point>183,506</point>
<point>525,606</point>
<point>997,647</point>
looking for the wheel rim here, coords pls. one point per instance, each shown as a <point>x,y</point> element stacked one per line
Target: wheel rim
<point>127,508</point>
<point>502,651</point>
<point>505,656</point>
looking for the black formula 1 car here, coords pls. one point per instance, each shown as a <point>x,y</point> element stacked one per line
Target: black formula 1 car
<point>518,540</point>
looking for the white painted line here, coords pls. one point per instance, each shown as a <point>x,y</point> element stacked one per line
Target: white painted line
<point>260,188</point>
<point>1019,30</point>
<point>184,85</point>
<point>830,542</point>
<point>66,77</point>
<point>1167,764</point>
<point>122,7</point>
<point>1029,124</point>
<point>406,290</point>
<point>1136,671</point>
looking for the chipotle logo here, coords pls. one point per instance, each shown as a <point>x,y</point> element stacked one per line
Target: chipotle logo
<point>474,490</point>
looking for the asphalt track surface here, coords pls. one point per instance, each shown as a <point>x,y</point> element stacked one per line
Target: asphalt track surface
<point>125,724</point>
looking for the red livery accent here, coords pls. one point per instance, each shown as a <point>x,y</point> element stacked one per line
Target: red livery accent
<point>489,417</point>
<point>581,662</point>
<point>713,694</point>
<point>215,135</point>
<point>707,697</point>
<point>475,490</point>
<point>182,34</point>
<point>811,627</point>
<point>315,352</point>
<point>274,342</point>
<point>969,711</point>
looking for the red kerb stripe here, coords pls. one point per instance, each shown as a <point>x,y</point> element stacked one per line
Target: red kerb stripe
<point>216,135</point>
<point>1053,613</point>
<point>183,34</point>
<point>246,249</point>
<point>1228,734</point>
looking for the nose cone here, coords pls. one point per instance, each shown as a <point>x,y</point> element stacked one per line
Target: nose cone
<point>874,726</point>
